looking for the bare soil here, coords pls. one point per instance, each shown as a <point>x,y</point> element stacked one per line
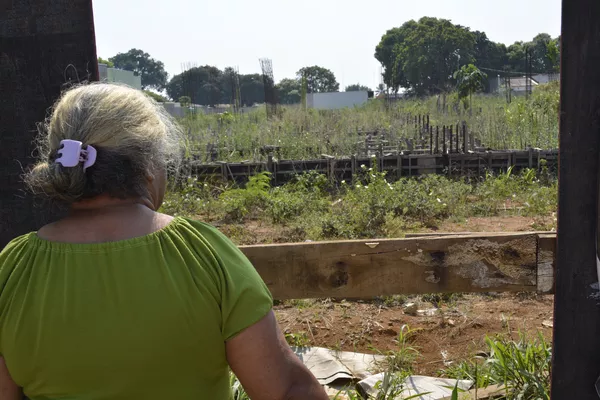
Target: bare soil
<point>455,330</point>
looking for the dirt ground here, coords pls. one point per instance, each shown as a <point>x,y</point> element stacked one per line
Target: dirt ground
<point>455,332</point>
<point>454,329</point>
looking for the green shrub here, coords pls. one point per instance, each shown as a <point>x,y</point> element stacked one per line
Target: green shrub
<point>522,366</point>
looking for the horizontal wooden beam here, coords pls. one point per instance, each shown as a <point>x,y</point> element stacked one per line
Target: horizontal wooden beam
<point>437,234</point>
<point>369,268</point>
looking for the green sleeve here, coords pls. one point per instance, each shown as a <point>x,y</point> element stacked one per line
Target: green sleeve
<point>245,298</point>
<point>14,253</point>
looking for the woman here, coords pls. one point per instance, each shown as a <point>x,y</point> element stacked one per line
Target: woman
<point>119,301</point>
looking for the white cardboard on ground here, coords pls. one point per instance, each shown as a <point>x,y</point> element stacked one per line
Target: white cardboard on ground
<point>337,370</point>
<point>436,388</point>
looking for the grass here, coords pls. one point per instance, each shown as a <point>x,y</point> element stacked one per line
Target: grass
<point>521,365</point>
<point>310,208</point>
<point>305,134</point>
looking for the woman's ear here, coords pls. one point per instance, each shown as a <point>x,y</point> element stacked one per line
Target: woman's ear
<point>150,177</point>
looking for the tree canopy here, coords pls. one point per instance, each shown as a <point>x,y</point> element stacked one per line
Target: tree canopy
<point>318,79</point>
<point>157,97</point>
<point>208,85</point>
<point>357,87</point>
<point>469,80</point>
<point>289,91</point>
<point>422,56</point>
<point>151,71</point>
<point>108,63</point>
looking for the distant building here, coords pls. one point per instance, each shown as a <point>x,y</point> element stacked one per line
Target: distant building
<point>521,84</point>
<point>336,100</point>
<point>119,76</point>
<point>518,85</point>
<point>176,110</point>
<point>546,78</point>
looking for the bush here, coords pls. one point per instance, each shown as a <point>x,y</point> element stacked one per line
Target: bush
<point>371,206</point>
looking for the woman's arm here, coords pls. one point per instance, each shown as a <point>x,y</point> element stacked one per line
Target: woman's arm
<point>266,366</point>
<point>8,388</point>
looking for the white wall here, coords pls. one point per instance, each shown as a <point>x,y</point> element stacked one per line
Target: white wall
<point>336,100</point>
<point>119,76</point>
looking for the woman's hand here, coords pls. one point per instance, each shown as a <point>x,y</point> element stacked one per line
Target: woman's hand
<point>8,388</point>
<point>266,366</point>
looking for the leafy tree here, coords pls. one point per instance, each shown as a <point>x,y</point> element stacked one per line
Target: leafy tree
<point>252,89</point>
<point>425,54</point>
<point>545,54</point>
<point>393,74</point>
<point>553,54</point>
<point>516,56</point>
<point>151,71</point>
<point>108,63</point>
<point>357,87</point>
<point>539,53</point>
<point>422,55</point>
<point>289,91</point>
<point>319,79</point>
<point>488,54</point>
<point>469,79</point>
<point>185,101</point>
<point>203,85</point>
<point>157,97</point>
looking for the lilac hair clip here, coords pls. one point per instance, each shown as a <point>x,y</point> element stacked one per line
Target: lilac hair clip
<point>71,154</point>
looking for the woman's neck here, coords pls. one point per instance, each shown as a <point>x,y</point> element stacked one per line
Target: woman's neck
<point>105,221</point>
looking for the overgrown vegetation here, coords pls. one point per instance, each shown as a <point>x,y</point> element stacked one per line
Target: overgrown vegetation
<point>304,134</point>
<point>372,206</point>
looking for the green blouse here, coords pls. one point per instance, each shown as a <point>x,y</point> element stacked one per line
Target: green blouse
<point>144,318</point>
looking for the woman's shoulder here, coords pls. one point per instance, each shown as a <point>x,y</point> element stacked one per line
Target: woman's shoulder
<point>14,251</point>
<point>199,230</point>
<point>16,245</point>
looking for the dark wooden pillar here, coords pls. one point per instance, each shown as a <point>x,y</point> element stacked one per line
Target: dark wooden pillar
<point>576,361</point>
<point>45,45</point>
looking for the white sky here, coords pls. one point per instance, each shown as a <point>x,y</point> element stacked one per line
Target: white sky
<point>340,35</point>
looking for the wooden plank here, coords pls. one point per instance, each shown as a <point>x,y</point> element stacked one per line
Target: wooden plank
<point>439,234</point>
<point>368,268</point>
<point>576,348</point>
<point>546,263</point>
<point>489,392</point>
<point>43,48</point>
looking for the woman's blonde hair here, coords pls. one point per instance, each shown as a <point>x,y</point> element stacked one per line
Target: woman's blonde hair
<point>132,134</point>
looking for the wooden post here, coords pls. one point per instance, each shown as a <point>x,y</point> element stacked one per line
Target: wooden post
<point>224,175</point>
<point>450,140</point>
<point>437,139</point>
<point>444,140</point>
<point>576,347</point>
<point>399,165</point>
<point>431,139</point>
<point>270,163</point>
<point>457,138</point>
<point>42,50</point>
<point>465,139</point>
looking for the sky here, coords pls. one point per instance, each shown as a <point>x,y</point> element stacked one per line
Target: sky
<point>340,35</point>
